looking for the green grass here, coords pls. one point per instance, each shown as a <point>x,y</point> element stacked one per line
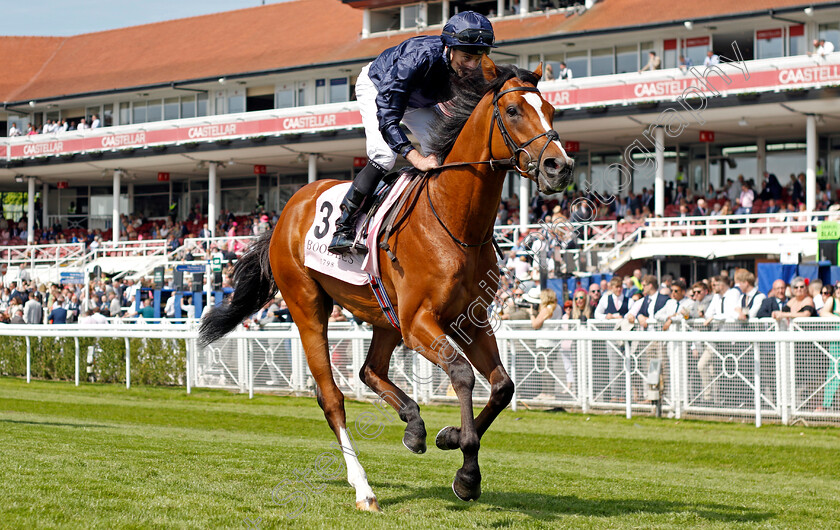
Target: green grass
<point>101,456</point>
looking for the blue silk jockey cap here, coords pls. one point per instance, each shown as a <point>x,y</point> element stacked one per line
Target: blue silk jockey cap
<point>468,29</point>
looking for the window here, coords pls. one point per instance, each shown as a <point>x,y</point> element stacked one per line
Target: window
<point>670,59</point>
<point>138,113</point>
<point>626,59</point>
<point>154,110</point>
<point>125,113</point>
<point>796,40</point>
<point>188,107</point>
<point>644,52</point>
<point>434,14</point>
<point>602,62</point>
<point>89,112</point>
<point>236,102</point>
<point>695,49</point>
<point>219,103</point>
<point>107,115</point>
<point>769,43</point>
<point>170,108</point>
<point>578,63</point>
<point>384,19</point>
<point>201,102</point>
<point>831,33</point>
<point>285,98</point>
<point>552,61</point>
<point>320,91</point>
<point>338,90</point>
<point>411,17</point>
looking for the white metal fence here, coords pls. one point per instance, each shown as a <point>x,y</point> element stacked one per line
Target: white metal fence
<point>756,370</point>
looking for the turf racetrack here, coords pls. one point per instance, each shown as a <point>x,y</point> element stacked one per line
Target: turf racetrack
<point>101,456</point>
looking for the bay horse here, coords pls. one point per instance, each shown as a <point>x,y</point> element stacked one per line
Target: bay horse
<point>441,261</point>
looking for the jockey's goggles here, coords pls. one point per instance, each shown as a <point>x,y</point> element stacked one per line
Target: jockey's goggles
<point>474,36</point>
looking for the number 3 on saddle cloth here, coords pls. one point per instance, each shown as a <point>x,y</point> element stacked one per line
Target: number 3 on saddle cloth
<point>352,268</point>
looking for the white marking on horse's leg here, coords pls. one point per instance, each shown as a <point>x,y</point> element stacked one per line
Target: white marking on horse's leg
<point>355,473</point>
<point>535,101</point>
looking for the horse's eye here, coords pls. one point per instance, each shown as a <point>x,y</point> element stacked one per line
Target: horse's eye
<point>511,110</point>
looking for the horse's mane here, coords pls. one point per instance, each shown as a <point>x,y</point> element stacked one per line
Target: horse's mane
<point>467,92</point>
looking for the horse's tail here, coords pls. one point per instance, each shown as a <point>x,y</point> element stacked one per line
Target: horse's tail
<point>254,286</point>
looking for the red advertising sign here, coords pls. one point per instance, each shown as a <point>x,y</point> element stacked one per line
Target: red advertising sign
<point>768,34</point>
<point>260,170</point>
<point>697,41</point>
<point>359,162</point>
<point>707,136</point>
<point>163,177</point>
<point>796,31</point>
<point>571,147</point>
<point>62,184</point>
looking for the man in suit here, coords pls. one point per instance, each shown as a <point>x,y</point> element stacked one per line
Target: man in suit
<point>774,302</point>
<point>701,209</point>
<point>613,305</point>
<point>647,306</point>
<point>752,299</point>
<point>772,207</point>
<point>33,312</point>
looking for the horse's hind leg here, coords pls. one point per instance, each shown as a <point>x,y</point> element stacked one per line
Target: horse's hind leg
<point>308,306</point>
<point>375,375</point>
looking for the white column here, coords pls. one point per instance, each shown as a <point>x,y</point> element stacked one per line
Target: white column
<point>130,198</point>
<point>115,211</point>
<point>500,8</point>
<point>218,194</point>
<point>211,199</point>
<point>760,156</point>
<point>811,162</point>
<point>523,7</point>
<point>313,167</point>
<point>45,220</point>
<point>365,23</point>
<point>524,200</point>
<point>30,210</point>
<point>659,181</point>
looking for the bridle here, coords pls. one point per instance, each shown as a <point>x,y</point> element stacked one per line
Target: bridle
<point>516,150</point>
<point>513,161</point>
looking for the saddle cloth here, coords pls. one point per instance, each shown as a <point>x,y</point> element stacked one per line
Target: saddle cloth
<point>350,268</point>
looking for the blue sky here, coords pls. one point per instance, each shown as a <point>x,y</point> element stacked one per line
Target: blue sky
<point>71,17</point>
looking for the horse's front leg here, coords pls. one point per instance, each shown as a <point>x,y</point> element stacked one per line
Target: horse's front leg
<point>426,335</point>
<point>482,350</point>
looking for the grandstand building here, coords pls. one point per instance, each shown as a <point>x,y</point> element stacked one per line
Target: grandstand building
<point>221,111</point>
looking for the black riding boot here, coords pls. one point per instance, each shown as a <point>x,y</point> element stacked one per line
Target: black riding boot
<point>345,228</point>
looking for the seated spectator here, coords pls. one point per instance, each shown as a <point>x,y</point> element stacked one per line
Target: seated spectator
<point>800,304</point>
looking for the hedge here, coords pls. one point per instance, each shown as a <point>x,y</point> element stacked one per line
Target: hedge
<point>153,361</point>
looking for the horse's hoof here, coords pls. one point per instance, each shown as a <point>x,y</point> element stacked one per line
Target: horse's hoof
<point>465,488</point>
<point>368,505</point>
<point>448,438</point>
<point>414,443</point>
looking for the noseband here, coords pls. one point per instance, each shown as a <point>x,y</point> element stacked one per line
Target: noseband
<point>515,149</point>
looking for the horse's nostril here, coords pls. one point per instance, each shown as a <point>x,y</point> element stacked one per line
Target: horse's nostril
<point>551,164</point>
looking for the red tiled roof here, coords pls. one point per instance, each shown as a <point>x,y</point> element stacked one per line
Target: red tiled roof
<point>271,37</point>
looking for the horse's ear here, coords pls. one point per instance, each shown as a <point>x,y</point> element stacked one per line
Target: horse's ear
<point>538,71</point>
<point>488,67</point>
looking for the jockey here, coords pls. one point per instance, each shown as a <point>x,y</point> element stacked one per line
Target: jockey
<point>404,84</point>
